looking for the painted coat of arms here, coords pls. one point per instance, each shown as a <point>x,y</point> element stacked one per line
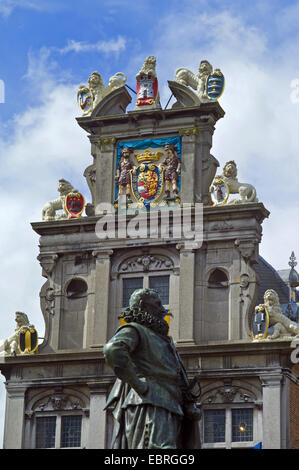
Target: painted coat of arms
<point>85,100</point>
<point>260,323</point>
<point>219,191</point>
<point>215,85</point>
<point>74,205</point>
<point>148,172</point>
<point>147,183</point>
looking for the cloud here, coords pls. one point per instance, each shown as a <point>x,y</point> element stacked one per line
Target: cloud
<point>7,6</point>
<point>113,45</point>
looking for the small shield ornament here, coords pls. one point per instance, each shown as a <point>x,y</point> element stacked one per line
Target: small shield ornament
<point>28,340</point>
<point>147,89</point>
<point>85,100</point>
<point>74,205</point>
<point>260,323</point>
<point>219,192</point>
<point>215,85</point>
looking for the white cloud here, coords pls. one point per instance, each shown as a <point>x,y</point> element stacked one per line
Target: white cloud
<point>113,45</point>
<point>7,6</point>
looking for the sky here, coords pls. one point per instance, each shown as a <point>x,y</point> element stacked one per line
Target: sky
<point>48,48</point>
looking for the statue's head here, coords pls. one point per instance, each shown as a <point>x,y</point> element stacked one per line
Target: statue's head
<point>126,152</point>
<point>21,319</point>
<point>170,149</point>
<point>230,169</point>
<point>65,187</point>
<point>150,61</point>
<point>95,80</point>
<point>205,67</point>
<point>145,307</point>
<point>271,297</point>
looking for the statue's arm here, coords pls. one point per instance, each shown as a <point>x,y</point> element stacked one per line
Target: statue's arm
<point>118,352</point>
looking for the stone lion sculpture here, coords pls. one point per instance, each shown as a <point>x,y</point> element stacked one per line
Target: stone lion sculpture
<point>11,345</point>
<point>282,325</point>
<point>246,191</point>
<point>49,210</point>
<point>98,88</point>
<point>149,67</point>
<point>197,82</point>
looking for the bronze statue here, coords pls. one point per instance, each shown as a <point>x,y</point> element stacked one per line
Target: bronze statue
<point>153,406</point>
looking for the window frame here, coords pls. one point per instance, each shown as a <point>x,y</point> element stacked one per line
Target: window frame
<point>58,429</point>
<point>228,443</point>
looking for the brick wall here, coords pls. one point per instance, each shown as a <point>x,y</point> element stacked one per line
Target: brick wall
<point>294,410</point>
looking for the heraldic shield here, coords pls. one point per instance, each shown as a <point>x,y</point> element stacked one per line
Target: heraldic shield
<point>28,340</point>
<point>215,85</point>
<point>260,323</point>
<point>85,100</point>
<point>74,205</point>
<point>147,183</point>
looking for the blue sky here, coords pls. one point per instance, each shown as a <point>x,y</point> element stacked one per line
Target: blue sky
<point>48,48</point>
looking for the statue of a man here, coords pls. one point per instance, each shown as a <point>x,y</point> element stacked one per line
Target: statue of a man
<point>172,166</point>
<point>123,171</point>
<point>151,398</point>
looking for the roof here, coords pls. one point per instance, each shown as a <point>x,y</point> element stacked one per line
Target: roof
<point>269,278</point>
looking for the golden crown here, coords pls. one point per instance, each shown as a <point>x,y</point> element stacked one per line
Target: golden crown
<point>148,156</point>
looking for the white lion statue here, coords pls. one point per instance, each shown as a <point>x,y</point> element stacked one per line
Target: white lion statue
<point>99,90</point>
<point>197,82</point>
<point>246,191</point>
<point>282,325</point>
<point>11,345</point>
<point>49,210</point>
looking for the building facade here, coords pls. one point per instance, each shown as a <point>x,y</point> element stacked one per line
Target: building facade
<point>210,285</point>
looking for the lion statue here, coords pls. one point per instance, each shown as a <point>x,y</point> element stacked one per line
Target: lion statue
<point>246,191</point>
<point>49,210</point>
<point>149,67</point>
<point>282,325</point>
<point>98,88</point>
<point>11,345</point>
<point>197,82</point>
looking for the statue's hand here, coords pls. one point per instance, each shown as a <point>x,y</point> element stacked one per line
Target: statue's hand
<point>192,412</point>
<point>141,387</point>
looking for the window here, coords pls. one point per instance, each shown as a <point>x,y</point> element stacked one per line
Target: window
<point>242,425</point>
<point>58,431</point>
<point>71,431</point>
<point>45,432</point>
<point>228,427</point>
<point>129,286</point>
<point>161,285</point>
<point>158,283</point>
<point>214,426</point>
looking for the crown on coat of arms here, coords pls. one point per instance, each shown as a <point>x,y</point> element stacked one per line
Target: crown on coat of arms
<point>148,156</point>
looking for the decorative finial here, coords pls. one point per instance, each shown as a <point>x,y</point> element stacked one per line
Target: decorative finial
<point>293,261</point>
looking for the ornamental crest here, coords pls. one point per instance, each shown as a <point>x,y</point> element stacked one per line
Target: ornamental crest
<point>74,205</point>
<point>85,100</point>
<point>147,183</point>
<point>28,340</point>
<point>219,191</point>
<point>260,323</point>
<point>215,85</point>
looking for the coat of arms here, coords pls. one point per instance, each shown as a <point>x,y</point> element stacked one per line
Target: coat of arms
<point>74,205</point>
<point>147,183</point>
<point>260,323</point>
<point>219,191</point>
<point>85,100</point>
<point>28,340</point>
<point>215,85</point>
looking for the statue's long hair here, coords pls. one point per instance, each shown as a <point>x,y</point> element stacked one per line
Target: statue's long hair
<point>138,312</point>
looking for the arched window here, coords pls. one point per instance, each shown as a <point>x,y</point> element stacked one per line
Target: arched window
<point>73,315</point>
<point>216,312</point>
